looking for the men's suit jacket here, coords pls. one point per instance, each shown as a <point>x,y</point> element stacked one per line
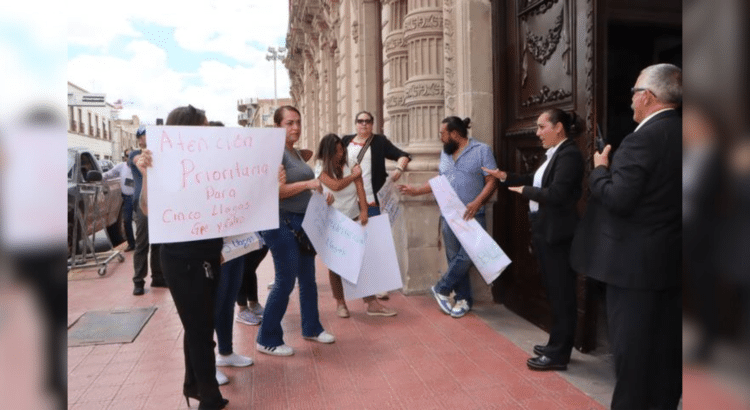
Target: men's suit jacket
<point>635,237</point>
<point>561,188</point>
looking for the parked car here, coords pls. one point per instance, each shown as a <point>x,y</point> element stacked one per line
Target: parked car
<point>98,202</point>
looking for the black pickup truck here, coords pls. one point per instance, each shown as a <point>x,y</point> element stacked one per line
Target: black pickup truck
<point>98,202</point>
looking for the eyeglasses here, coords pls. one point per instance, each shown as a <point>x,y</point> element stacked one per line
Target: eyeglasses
<point>363,121</point>
<point>637,89</point>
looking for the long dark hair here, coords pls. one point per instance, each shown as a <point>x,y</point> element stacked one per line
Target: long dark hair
<point>571,122</point>
<point>187,115</point>
<point>327,153</point>
<point>278,115</point>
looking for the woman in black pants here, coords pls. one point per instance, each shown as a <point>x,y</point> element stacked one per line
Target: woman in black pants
<point>191,270</point>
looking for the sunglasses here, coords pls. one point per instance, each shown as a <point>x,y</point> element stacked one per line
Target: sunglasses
<point>363,121</point>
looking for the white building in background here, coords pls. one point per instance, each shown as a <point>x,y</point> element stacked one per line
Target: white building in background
<point>258,113</point>
<point>93,123</point>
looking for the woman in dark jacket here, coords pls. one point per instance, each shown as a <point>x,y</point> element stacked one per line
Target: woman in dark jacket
<point>191,270</point>
<point>553,191</point>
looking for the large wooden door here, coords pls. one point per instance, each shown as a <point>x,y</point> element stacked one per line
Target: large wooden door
<point>554,54</point>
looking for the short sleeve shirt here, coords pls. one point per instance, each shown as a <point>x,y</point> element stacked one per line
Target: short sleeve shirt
<point>296,170</point>
<point>465,173</point>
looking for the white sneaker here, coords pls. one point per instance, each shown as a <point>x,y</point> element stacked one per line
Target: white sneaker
<point>233,360</point>
<point>257,310</point>
<point>323,337</point>
<point>282,350</point>
<point>221,378</point>
<point>460,308</point>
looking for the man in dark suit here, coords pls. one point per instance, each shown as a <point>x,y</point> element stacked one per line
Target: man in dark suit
<point>553,191</point>
<point>634,244</point>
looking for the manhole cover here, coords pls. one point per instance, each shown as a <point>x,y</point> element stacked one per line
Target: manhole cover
<point>109,326</point>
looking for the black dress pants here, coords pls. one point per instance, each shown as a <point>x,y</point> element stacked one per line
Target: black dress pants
<point>645,329</point>
<point>559,281</point>
<point>141,254</point>
<point>194,297</point>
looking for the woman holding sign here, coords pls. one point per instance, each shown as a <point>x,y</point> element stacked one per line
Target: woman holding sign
<point>553,191</point>
<point>348,189</point>
<point>293,256</point>
<point>370,152</point>
<point>191,270</point>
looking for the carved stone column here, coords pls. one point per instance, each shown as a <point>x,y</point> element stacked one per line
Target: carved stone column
<point>421,261</point>
<point>370,59</point>
<point>395,71</point>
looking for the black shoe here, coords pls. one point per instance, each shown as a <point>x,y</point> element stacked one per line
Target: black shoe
<point>138,290</point>
<point>540,350</point>
<point>545,363</point>
<point>158,284</point>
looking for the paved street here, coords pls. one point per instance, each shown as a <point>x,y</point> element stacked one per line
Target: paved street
<point>419,359</point>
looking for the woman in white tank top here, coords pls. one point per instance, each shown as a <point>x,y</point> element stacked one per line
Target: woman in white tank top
<point>348,190</point>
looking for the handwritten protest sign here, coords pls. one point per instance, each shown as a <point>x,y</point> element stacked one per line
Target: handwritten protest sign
<point>238,245</point>
<point>338,240</point>
<point>380,271</point>
<point>212,182</point>
<point>484,252</point>
<point>389,201</point>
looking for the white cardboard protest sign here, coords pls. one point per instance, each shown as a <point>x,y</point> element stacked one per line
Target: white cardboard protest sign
<point>212,182</point>
<point>389,201</point>
<point>380,271</point>
<point>238,245</point>
<point>338,240</point>
<point>485,253</point>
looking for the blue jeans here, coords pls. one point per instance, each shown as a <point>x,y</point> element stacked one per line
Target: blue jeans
<point>226,295</point>
<point>289,263</point>
<point>456,278</point>
<point>127,216</point>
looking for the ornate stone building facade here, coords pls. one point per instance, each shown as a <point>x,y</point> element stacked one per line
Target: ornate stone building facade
<point>411,63</point>
<point>499,62</point>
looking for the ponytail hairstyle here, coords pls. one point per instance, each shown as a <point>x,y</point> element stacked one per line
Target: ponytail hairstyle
<point>454,123</point>
<point>571,122</point>
<point>327,153</point>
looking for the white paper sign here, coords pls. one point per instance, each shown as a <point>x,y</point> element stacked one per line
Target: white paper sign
<point>34,191</point>
<point>380,271</point>
<point>212,182</point>
<point>389,201</point>
<point>484,252</point>
<point>238,245</point>
<point>338,240</point>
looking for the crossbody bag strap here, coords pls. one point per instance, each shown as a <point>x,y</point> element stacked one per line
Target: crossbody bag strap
<point>364,149</point>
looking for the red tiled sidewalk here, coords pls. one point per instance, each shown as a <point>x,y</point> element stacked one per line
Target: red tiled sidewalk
<point>419,359</point>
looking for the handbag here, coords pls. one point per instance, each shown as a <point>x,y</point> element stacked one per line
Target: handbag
<point>305,246</point>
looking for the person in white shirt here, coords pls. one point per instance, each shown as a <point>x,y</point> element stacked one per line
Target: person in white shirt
<point>347,187</point>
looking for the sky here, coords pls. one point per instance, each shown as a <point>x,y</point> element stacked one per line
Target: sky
<point>158,55</point>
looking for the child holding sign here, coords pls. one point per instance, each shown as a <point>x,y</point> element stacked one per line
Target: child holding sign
<point>348,190</point>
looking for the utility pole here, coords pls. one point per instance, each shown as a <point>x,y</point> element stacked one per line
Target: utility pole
<point>275,53</point>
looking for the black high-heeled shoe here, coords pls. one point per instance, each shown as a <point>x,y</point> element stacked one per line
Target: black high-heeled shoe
<point>214,406</point>
<point>189,396</point>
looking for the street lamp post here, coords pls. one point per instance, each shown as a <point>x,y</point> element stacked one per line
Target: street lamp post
<point>275,53</point>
